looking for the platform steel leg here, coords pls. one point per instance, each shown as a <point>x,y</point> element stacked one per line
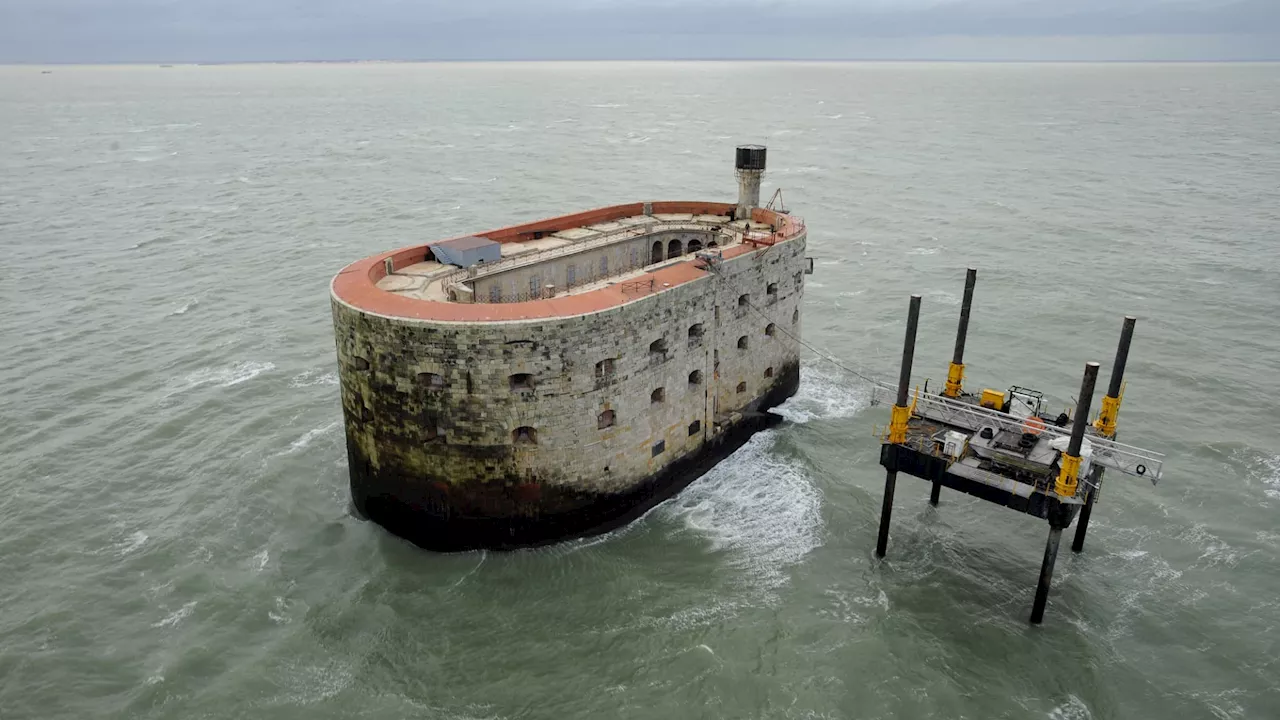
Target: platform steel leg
<point>1082,523</point>
<point>934,493</point>
<point>900,411</point>
<point>1046,574</point>
<point>882,541</point>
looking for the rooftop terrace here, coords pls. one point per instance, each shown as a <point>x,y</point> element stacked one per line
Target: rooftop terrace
<point>546,259</point>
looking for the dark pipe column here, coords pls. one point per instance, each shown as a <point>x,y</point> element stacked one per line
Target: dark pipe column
<point>955,374</point>
<point>962,331</point>
<point>1057,518</point>
<point>1106,424</point>
<point>1046,574</point>
<point>904,383</point>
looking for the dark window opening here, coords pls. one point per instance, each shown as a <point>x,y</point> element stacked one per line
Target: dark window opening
<point>772,292</point>
<point>521,381</point>
<point>744,300</point>
<point>695,427</point>
<point>658,395</point>
<point>695,377</point>
<point>768,372</point>
<point>524,435</point>
<point>431,380</point>
<point>605,419</point>
<point>658,348</point>
<point>770,329</point>
<point>742,387</point>
<point>656,255</point>
<point>742,343</point>
<point>674,249</point>
<point>695,246</point>
<point>711,243</point>
<point>359,363</point>
<point>795,316</point>
<point>604,369</point>
<point>659,447</point>
<point>695,334</point>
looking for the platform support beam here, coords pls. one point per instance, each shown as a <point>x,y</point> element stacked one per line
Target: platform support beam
<point>1046,574</point>
<point>901,414</point>
<point>1082,523</point>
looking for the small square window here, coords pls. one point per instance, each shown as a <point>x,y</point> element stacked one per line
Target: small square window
<point>695,427</point>
<point>659,447</point>
<point>742,387</point>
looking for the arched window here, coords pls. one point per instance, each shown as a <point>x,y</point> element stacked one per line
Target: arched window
<point>674,249</point>
<point>656,255</point>
<point>770,329</point>
<point>658,395</point>
<point>742,387</point>
<point>604,369</point>
<point>605,419</point>
<point>742,343</point>
<point>695,377</point>
<point>795,316</point>
<point>695,334</point>
<point>744,300</point>
<point>695,427</point>
<point>524,435</point>
<point>771,292</point>
<point>695,246</point>
<point>521,381</point>
<point>768,372</point>
<point>431,380</point>
<point>658,349</point>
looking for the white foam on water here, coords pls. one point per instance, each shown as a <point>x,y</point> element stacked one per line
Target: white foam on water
<point>825,394</point>
<point>131,543</point>
<point>222,377</point>
<point>260,560</point>
<point>607,105</point>
<point>185,307</point>
<point>1073,709</point>
<point>924,251</point>
<point>1270,470</point>
<point>313,377</point>
<point>310,436</point>
<point>761,509</point>
<point>176,616</point>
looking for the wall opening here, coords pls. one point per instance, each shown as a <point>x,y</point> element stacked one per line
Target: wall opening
<point>695,246</point>
<point>695,377</point>
<point>605,419</point>
<point>521,381</point>
<point>770,329</point>
<point>604,369</point>
<point>656,255</point>
<point>524,435</point>
<point>658,349</point>
<point>744,300</point>
<point>658,395</point>
<point>772,292</point>
<point>742,343</point>
<point>696,332</point>
<point>674,249</point>
<point>795,316</point>
<point>695,427</point>
<point>659,447</point>
<point>431,380</point>
<point>768,372</point>
<point>742,387</point>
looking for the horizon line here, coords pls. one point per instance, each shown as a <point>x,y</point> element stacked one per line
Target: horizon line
<point>425,61</point>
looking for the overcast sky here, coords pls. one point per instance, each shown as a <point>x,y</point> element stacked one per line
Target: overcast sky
<point>47,31</point>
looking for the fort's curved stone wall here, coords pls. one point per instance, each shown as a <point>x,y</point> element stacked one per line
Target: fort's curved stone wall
<point>493,434</point>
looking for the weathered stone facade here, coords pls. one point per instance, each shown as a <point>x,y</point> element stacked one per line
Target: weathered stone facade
<point>509,433</point>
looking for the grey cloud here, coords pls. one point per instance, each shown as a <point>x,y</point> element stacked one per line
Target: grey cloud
<point>230,30</point>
